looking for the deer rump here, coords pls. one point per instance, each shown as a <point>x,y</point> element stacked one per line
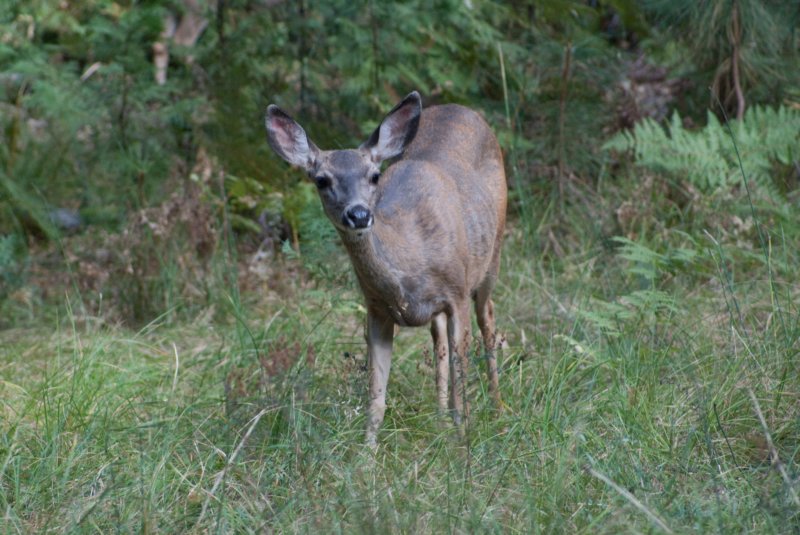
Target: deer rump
<point>424,237</point>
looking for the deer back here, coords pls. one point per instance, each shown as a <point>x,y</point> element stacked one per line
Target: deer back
<point>446,198</point>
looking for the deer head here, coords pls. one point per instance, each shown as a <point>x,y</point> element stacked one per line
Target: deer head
<point>346,180</point>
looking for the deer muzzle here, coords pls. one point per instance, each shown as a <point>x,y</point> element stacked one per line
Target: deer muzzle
<point>357,217</point>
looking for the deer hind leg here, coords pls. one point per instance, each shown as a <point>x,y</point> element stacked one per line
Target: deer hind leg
<point>441,360</point>
<point>458,334</point>
<point>484,310</point>
<point>380,334</point>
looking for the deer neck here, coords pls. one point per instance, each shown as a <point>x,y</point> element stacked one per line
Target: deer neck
<point>367,253</point>
<point>374,269</point>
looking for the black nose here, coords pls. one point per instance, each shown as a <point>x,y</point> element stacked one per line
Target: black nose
<point>357,217</point>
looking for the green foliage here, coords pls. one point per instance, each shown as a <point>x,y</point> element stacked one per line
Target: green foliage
<point>338,67</point>
<point>88,127</point>
<point>614,318</point>
<point>760,34</point>
<point>649,264</point>
<point>706,157</point>
<point>650,271</point>
<point>318,239</point>
<point>249,200</point>
<point>11,265</point>
<point>559,67</point>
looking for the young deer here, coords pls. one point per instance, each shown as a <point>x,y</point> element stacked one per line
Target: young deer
<point>424,236</point>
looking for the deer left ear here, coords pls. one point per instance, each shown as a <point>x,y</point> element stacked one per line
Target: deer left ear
<point>396,130</point>
<point>288,139</point>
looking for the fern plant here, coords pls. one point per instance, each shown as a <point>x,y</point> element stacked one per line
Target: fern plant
<point>651,268</point>
<point>706,157</point>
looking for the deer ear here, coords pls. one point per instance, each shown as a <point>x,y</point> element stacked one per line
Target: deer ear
<point>397,129</point>
<point>288,139</point>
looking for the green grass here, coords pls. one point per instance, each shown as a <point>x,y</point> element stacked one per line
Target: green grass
<point>627,413</point>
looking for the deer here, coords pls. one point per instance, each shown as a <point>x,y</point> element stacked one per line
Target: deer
<point>423,235</point>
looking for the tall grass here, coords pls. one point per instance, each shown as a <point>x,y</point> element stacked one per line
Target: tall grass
<point>646,427</point>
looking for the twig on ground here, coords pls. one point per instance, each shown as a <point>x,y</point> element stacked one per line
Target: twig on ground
<point>632,499</point>
<point>773,452</point>
<point>221,476</point>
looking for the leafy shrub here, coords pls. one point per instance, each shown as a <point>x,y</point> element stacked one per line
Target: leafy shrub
<point>706,157</point>
<point>87,127</point>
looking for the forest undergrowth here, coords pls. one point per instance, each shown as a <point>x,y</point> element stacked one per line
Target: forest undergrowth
<point>182,339</point>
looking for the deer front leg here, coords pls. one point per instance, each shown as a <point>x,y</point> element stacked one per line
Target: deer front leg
<point>458,334</point>
<point>441,359</point>
<point>380,333</point>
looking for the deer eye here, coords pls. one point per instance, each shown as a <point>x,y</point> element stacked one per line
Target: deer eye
<point>322,182</point>
<point>374,178</point>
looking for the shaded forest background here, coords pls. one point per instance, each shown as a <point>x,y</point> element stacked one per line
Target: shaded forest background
<point>181,336</point>
<point>122,180</point>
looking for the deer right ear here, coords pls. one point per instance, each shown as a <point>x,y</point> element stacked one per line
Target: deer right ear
<point>396,130</point>
<point>288,139</point>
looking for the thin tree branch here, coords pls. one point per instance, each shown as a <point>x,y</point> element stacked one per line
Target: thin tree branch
<point>736,39</point>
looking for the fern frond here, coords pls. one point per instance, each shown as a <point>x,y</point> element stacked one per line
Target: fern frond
<point>705,157</point>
